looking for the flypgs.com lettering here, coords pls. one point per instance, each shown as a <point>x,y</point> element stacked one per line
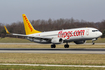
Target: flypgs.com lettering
<point>28,23</point>
<point>69,34</point>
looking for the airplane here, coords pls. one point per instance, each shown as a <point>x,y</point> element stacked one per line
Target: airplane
<point>76,35</point>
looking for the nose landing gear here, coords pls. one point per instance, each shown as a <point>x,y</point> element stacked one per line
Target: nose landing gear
<point>93,43</point>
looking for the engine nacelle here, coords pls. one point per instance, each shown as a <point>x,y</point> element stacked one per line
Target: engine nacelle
<point>57,40</point>
<point>80,42</point>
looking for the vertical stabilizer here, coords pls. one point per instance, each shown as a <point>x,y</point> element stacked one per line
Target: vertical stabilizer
<point>28,27</point>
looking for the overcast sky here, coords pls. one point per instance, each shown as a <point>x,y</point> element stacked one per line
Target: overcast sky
<point>89,10</point>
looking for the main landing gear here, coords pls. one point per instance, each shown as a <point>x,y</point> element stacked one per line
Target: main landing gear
<point>65,46</point>
<point>53,46</point>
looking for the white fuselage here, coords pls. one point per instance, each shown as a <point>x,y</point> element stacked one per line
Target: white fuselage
<point>71,34</point>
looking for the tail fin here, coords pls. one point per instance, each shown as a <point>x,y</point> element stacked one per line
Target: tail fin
<point>28,27</point>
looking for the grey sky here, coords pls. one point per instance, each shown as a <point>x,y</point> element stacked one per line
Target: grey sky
<point>89,10</point>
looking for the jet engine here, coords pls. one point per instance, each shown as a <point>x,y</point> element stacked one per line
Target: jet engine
<point>57,40</point>
<point>80,42</point>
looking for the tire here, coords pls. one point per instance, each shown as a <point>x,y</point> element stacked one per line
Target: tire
<point>93,43</point>
<point>53,46</point>
<point>66,46</point>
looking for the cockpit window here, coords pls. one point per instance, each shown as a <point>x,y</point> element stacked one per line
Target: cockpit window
<point>95,30</point>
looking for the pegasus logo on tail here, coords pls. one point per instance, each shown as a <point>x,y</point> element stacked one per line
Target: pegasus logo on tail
<point>28,23</point>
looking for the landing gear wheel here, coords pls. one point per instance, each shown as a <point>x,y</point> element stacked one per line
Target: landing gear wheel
<point>66,46</point>
<point>93,43</point>
<point>53,46</point>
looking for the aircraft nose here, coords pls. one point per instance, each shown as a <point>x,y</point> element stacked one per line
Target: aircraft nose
<point>100,34</point>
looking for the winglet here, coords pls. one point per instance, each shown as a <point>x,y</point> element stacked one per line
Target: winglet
<point>6,30</point>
